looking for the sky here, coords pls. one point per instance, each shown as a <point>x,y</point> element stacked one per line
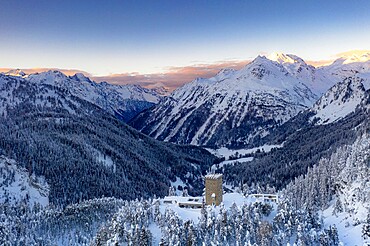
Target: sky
<point>146,40</point>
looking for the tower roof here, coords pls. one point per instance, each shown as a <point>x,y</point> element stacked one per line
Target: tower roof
<point>214,176</point>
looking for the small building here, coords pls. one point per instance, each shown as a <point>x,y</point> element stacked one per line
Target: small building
<point>170,200</point>
<point>183,202</point>
<point>265,197</point>
<point>192,202</point>
<point>213,183</point>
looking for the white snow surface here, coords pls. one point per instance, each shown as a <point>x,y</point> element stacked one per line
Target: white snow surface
<point>349,225</point>
<point>225,152</point>
<point>340,100</point>
<point>352,73</point>
<point>18,186</point>
<point>354,195</point>
<point>105,160</point>
<point>349,231</point>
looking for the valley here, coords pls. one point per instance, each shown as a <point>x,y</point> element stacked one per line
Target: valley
<point>100,159</point>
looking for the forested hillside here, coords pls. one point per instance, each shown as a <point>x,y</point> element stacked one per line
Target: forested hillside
<point>304,145</point>
<point>84,152</point>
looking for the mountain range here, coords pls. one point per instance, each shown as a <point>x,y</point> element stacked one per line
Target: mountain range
<point>67,156</point>
<point>123,101</point>
<point>238,108</point>
<point>275,100</point>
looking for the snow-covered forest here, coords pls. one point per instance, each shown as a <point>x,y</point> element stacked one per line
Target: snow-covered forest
<point>73,173</point>
<point>145,222</point>
<point>339,184</point>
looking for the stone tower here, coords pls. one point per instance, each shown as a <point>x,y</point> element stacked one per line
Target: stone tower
<point>213,189</point>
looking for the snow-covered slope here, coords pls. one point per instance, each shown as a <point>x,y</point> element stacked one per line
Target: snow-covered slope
<point>124,101</point>
<point>17,186</point>
<point>16,91</point>
<point>344,97</point>
<point>340,100</point>
<point>235,107</point>
<point>352,203</point>
<point>339,188</point>
<point>349,66</point>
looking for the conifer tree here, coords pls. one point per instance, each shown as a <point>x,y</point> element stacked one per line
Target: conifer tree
<point>366,228</point>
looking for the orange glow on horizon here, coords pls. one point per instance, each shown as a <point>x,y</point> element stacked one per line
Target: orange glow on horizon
<point>173,77</point>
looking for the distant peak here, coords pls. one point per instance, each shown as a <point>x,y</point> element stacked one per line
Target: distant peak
<point>161,90</point>
<point>351,58</point>
<point>259,58</point>
<point>16,72</point>
<point>53,72</point>
<point>258,61</point>
<point>355,54</point>
<point>285,58</point>
<point>364,57</point>
<point>80,77</point>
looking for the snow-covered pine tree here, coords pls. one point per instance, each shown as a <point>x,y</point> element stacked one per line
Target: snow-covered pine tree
<point>366,228</point>
<point>185,193</point>
<point>338,208</point>
<point>172,191</point>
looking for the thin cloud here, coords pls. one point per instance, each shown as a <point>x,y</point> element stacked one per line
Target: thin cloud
<point>173,77</point>
<point>320,63</point>
<point>351,53</point>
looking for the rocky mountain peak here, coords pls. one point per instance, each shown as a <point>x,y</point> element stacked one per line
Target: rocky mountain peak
<point>16,72</point>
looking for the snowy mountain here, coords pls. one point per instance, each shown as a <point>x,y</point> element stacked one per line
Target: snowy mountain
<point>16,72</point>
<point>340,100</point>
<point>352,89</point>
<point>123,101</point>
<point>315,153</point>
<point>236,107</point>
<point>352,62</point>
<point>16,91</point>
<point>350,66</point>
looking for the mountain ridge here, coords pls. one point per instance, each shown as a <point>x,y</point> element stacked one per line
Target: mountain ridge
<point>235,106</point>
<point>123,101</point>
